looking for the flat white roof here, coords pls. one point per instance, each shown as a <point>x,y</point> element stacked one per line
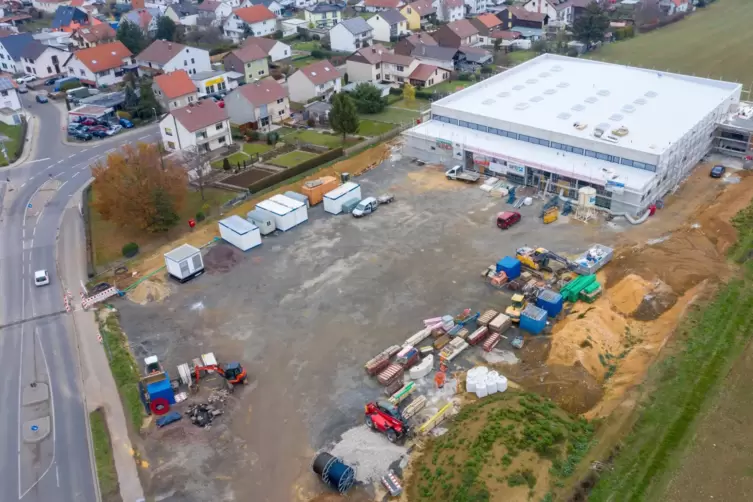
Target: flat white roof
<point>341,190</point>
<point>182,252</point>
<point>287,201</point>
<point>273,207</point>
<point>238,225</point>
<point>566,164</point>
<point>552,93</point>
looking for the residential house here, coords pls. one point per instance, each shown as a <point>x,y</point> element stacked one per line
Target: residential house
<point>388,25</point>
<point>256,21</point>
<point>104,64</point>
<point>471,58</point>
<point>41,60</point>
<point>291,26</point>
<point>164,56</point>
<point>59,39</point>
<point>420,13</point>
<point>274,49</point>
<point>426,75</point>
<point>69,18</point>
<point>560,13</point>
<point>183,14</point>
<point>8,97</point>
<point>672,7</point>
<point>324,15</point>
<point>435,55</point>
<point>377,64</point>
<point>174,90</point>
<point>272,5</point>
<point>7,65</point>
<point>486,24</point>
<point>304,4</point>
<point>510,38</point>
<point>14,46</point>
<point>456,33</point>
<point>250,61</point>
<point>258,105</point>
<point>512,17</point>
<point>215,82</point>
<point>449,10</point>
<point>91,36</point>
<point>406,45</point>
<point>202,126</point>
<point>475,7</point>
<point>214,12</point>
<point>49,6</point>
<point>351,35</point>
<point>317,80</point>
<point>146,19</point>
<point>380,5</point>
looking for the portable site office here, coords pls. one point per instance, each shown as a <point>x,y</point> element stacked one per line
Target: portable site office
<point>299,197</point>
<point>334,200</point>
<point>263,220</point>
<point>184,262</point>
<point>283,215</point>
<point>240,233</point>
<point>298,207</point>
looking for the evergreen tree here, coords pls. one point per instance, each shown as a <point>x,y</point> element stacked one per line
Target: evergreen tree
<point>131,36</point>
<point>131,102</point>
<point>165,216</point>
<point>343,117</point>
<point>148,106</point>
<point>591,25</point>
<point>166,29</point>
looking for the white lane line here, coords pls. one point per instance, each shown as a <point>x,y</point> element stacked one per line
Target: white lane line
<point>20,375</point>
<point>31,246</point>
<point>31,178</point>
<point>86,149</point>
<point>23,185</point>
<point>93,159</point>
<point>71,155</point>
<point>110,150</point>
<point>145,136</point>
<point>39,217</point>
<point>29,267</point>
<point>36,160</point>
<point>23,234</point>
<point>48,168</point>
<point>34,232</point>
<point>57,475</point>
<point>75,174</point>
<point>59,162</point>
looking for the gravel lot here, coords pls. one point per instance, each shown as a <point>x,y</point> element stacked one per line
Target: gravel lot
<point>304,311</point>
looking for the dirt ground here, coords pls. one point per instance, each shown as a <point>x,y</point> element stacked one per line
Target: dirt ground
<point>304,311</point>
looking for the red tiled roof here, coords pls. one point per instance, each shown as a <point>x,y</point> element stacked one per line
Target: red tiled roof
<point>384,4</point>
<point>320,72</point>
<point>254,14</point>
<point>208,6</point>
<point>262,92</point>
<point>200,115</point>
<point>489,20</point>
<point>421,38</point>
<point>76,3</point>
<point>378,53</point>
<point>462,28</point>
<point>103,57</point>
<point>175,84</point>
<point>506,35</point>
<point>249,52</point>
<point>423,7</point>
<point>160,52</point>
<point>97,33</point>
<point>423,72</point>
<point>266,44</point>
<point>524,15</point>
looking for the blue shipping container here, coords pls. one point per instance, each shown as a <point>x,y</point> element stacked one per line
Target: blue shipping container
<point>533,319</point>
<point>510,266</point>
<point>550,301</point>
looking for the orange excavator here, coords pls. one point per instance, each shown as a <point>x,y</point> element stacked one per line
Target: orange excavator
<point>233,373</point>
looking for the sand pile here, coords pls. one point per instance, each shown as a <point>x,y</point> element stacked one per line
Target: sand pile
<point>431,178</point>
<point>715,220</point>
<point>153,289</point>
<point>628,294</point>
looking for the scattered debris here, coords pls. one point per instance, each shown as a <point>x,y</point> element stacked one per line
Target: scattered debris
<point>202,415</point>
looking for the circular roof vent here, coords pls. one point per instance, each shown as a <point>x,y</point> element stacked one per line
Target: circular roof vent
<point>519,87</point>
<point>578,108</point>
<point>550,91</point>
<point>563,85</point>
<point>591,99</point>
<point>545,74</point>
<point>536,99</point>
<point>521,106</point>
<point>531,81</point>
<point>503,94</point>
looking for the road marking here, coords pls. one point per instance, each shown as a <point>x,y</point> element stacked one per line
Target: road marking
<point>48,168</point>
<point>39,217</point>
<point>37,160</point>
<point>110,150</point>
<point>34,232</point>
<point>31,246</point>
<point>71,155</point>
<point>57,475</point>
<point>66,181</point>
<point>74,175</point>
<point>59,161</point>
<point>145,136</point>
<point>31,178</point>
<point>86,149</point>
<point>20,367</point>
<point>23,234</point>
<point>23,185</point>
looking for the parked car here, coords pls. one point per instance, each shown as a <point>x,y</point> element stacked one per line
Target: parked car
<point>366,206</point>
<point>83,136</point>
<point>25,79</point>
<point>50,81</point>
<point>114,129</point>
<point>22,89</point>
<point>717,171</point>
<point>89,121</point>
<point>126,123</point>
<point>41,99</point>
<point>98,133</point>
<point>506,219</point>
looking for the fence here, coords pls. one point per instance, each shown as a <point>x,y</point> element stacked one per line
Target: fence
<point>295,171</point>
<point>376,139</point>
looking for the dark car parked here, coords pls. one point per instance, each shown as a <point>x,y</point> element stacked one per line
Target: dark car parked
<point>83,136</point>
<point>717,171</point>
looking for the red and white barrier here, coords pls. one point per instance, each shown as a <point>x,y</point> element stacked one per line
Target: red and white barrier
<point>87,302</point>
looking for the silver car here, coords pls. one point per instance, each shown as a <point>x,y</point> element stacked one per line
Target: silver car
<point>366,206</point>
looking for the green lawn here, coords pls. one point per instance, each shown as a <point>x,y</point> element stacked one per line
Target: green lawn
<point>300,63</point>
<point>315,138</point>
<point>306,46</point>
<point>449,86</point>
<point>292,159</point>
<point>517,57</point>
<point>371,128</point>
<point>106,474</point>
<point>256,148</point>
<point>284,131</point>
<point>391,115</point>
<point>14,133</point>
<point>713,42</point>
<point>416,104</point>
<point>237,157</point>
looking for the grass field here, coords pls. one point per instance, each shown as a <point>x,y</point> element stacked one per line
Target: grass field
<point>292,159</point>
<point>316,138</point>
<point>306,46</point>
<point>371,128</point>
<point>708,343</point>
<point>256,148</point>
<point>713,42</point>
<point>449,86</point>
<point>391,115</point>
<point>14,133</point>
<point>108,239</point>
<point>305,61</point>
<point>106,474</point>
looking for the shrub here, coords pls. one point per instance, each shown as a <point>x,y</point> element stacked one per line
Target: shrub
<point>464,76</point>
<point>346,79</point>
<point>200,215</point>
<point>318,54</point>
<point>311,122</point>
<point>572,52</point>
<point>272,138</point>
<point>253,135</point>
<point>130,250</point>
<point>277,35</point>
<point>70,85</point>
<point>315,37</point>
<point>226,164</point>
<point>123,114</point>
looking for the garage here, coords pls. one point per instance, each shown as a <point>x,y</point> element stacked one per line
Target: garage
<point>240,233</point>
<point>299,208</point>
<point>334,200</point>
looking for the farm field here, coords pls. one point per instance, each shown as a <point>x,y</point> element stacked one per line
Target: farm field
<point>723,52</point>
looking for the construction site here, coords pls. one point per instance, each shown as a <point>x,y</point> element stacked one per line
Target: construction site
<point>356,355</point>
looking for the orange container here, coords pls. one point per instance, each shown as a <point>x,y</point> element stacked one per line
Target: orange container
<point>316,194</point>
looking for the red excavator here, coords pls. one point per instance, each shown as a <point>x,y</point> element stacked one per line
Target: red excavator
<point>233,373</point>
<point>385,417</point>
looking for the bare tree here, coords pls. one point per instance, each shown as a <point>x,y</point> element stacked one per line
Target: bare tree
<point>648,13</point>
<point>195,161</point>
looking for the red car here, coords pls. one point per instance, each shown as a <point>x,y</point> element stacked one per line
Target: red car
<point>506,219</point>
<point>384,417</point>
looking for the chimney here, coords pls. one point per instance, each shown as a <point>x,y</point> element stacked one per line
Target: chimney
<point>169,45</point>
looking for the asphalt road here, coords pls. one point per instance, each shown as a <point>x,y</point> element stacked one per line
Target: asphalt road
<point>37,339</point>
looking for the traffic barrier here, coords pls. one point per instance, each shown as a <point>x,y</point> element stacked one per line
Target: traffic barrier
<point>392,484</point>
<point>87,302</point>
<point>99,337</point>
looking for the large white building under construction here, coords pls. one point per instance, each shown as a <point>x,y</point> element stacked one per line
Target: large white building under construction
<point>561,123</point>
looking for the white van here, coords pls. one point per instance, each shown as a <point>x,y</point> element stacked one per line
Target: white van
<point>41,278</point>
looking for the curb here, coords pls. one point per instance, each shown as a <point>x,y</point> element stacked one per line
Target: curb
<point>31,136</point>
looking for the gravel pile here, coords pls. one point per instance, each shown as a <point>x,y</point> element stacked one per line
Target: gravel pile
<point>368,452</point>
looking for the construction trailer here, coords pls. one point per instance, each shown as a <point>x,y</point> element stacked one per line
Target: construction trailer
<point>240,233</point>
<point>263,220</point>
<point>184,263</point>
<point>300,212</point>
<point>334,200</point>
<point>282,215</point>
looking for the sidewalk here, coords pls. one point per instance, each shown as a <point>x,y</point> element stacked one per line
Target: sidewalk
<point>99,385</point>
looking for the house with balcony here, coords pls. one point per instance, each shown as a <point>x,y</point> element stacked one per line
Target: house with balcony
<point>456,33</point>
<point>102,65</point>
<point>475,7</point>
<point>324,15</point>
<point>486,24</point>
<point>351,35</point>
<point>419,13</point>
<point>560,13</point>
<point>250,61</point>
<point>257,21</point>
<point>317,80</point>
<point>449,10</point>
<point>379,5</point>
<point>202,126</point>
<point>377,64</point>
<point>259,105</point>
<point>165,56</point>
<point>174,90</point>
<point>388,25</point>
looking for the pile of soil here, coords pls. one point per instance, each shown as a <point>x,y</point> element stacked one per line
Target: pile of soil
<point>222,258</point>
<point>431,178</point>
<point>150,290</point>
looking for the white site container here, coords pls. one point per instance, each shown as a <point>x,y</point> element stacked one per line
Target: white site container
<point>184,262</point>
<point>334,200</point>
<point>298,207</point>
<point>283,215</point>
<point>240,233</point>
<point>299,197</point>
<point>263,220</point>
